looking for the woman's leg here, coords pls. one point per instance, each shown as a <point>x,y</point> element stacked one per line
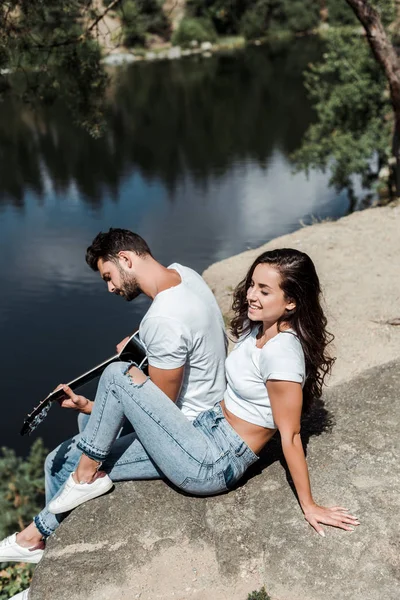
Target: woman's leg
<point>204,457</point>
<point>177,448</point>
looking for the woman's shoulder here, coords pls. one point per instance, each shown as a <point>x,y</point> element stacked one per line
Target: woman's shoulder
<point>287,337</point>
<point>284,342</point>
<point>283,358</point>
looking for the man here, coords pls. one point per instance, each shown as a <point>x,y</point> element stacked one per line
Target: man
<point>183,333</point>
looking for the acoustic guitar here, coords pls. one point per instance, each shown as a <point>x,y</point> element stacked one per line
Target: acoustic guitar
<point>133,351</point>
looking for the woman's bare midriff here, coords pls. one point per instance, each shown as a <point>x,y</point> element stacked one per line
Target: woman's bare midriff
<point>255,436</point>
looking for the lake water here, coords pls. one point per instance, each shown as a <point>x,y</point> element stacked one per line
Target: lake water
<point>196,158</point>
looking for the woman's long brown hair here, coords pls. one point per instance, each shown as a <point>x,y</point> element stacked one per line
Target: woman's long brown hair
<point>300,284</point>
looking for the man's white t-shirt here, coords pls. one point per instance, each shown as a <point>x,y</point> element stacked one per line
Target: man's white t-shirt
<point>248,368</point>
<point>184,326</point>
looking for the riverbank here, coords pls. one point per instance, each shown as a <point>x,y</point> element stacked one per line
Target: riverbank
<point>357,259</point>
<point>170,52</point>
<point>115,55</point>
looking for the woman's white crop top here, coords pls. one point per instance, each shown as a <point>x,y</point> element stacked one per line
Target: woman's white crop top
<point>248,368</point>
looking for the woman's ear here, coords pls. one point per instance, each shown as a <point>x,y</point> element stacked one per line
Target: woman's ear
<point>291,305</point>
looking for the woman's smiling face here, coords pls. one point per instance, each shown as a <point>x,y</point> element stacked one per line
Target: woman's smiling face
<point>266,300</point>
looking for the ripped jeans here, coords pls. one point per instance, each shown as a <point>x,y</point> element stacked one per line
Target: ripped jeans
<point>202,457</point>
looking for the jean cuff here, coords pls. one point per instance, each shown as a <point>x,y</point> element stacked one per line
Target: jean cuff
<point>92,452</point>
<point>41,527</point>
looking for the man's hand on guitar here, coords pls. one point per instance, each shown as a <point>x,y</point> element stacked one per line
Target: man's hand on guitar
<point>74,401</point>
<point>122,344</point>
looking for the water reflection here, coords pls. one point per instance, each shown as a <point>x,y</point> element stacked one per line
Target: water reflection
<point>163,120</point>
<point>195,159</point>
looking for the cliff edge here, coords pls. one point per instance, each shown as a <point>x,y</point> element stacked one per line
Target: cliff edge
<point>145,540</point>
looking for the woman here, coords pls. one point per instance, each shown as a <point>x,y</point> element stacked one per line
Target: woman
<point>277,368</point>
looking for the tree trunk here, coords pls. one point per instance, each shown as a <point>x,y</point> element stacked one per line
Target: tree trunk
<point>386,55</point>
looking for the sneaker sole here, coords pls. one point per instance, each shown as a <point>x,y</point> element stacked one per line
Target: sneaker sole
<point>89,496</point>
<point>22,559</point>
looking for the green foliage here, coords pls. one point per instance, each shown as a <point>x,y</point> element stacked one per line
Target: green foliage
<point>254,22</point>
<point>45,50</point>
<point>387,10</point>
<point>21,497</point>
<point>260,595</point>
<point>140,18</point>
<point>21,487</point>
<point>354,116</point>
<point>292,15</point>
<point>201,30</point>
<point>301,15</point>
<point>340,13</point>
<point>225,14</point>
<point>14,579</point>
<point>256,18</point>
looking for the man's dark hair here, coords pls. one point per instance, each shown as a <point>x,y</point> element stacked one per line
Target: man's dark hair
<point>107,245</point>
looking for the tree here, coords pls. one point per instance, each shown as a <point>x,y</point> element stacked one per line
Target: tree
<point>357,128</point>
<point>353,111</point>
<point>384,51</point>
<point>53,50</point>
<point>48,47</point>
<point>256,18</point>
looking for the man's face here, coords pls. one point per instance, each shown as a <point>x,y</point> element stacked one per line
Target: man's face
<point>119,281</point>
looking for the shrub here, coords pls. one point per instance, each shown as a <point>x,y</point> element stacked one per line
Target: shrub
<point>290,15</point>
<point>301,15</point>
<point>253,24</point>
<point>21,487</point>
<point>21,496</point>
<point>14,579</point>
<point>225,14</point>
<point>340,13</point>
<point>261,595</point>
<point>201,30</point>
<point>140,17</point>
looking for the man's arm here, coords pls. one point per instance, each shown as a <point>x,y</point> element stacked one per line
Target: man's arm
<point>168,380</point>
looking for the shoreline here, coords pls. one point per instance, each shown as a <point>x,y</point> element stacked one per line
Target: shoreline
<point>357,260</point>
<point>169,52</point>
<point>120,56</point>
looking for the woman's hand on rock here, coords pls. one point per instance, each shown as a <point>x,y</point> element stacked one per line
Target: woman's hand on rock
<point>336,516</point>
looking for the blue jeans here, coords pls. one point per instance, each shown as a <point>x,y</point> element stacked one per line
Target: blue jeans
<point>202,457</point>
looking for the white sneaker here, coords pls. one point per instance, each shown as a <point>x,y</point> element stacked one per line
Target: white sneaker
<point>11,551</point>
<point>73,494</point>
<point>21,596</point>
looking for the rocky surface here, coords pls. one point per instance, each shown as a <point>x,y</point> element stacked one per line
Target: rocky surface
<point>148,541</point>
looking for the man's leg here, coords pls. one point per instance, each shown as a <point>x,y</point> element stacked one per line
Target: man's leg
<point>62,460</point>
<point>127,460</point>
<point>179,449</point>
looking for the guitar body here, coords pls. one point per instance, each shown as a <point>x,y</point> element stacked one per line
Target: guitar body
<point>133,351</point>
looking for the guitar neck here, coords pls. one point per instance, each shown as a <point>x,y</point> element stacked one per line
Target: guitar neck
<point>132,351</point>
<point>84,378</point>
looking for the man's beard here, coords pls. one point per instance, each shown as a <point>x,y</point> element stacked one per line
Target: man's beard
<point>130,288</point>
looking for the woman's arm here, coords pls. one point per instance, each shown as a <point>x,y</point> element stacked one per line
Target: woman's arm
<point>286,402</point>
